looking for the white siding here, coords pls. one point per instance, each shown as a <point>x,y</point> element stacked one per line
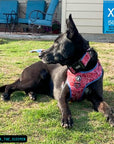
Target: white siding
<point>87,15</point>
<point>84,1</point>
<point>22,1</point>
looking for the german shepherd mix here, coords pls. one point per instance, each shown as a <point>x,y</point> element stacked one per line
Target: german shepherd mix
<point>70,71</point>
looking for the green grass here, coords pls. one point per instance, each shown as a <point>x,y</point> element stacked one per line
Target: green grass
<point>40,120</point>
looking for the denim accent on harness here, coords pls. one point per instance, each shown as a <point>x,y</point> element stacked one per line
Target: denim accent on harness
<point>78,82</point>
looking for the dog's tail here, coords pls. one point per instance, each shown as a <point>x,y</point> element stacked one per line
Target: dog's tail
<point>2,88</point>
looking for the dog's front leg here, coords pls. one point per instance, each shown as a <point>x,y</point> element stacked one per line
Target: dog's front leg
<point>67,121</point>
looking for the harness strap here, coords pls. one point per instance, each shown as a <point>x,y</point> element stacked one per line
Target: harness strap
<point>78,82</point>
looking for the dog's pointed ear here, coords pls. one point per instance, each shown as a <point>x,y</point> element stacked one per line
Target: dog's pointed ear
<point>71,28</point>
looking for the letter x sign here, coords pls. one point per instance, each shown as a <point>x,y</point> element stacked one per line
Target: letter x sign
<point>108,16</point>
<point>111,12</point>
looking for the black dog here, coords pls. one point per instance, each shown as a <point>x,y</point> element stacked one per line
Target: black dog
<point>71,51</point>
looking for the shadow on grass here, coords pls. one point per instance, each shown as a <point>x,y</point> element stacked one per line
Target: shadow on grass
<point>6,41</point>
<point>3,41</point>
<point>81,111</point>
<point>17,96</point>
<point>109,97</point>
<point>48,118</point>
<point>20,96</point>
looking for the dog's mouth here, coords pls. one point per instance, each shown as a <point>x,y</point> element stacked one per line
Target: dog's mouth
<point>53,58</point>
<point>50,59</point>
<point>47,58</point>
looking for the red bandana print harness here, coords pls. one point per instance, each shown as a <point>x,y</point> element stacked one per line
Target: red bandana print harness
<point>79,81</point>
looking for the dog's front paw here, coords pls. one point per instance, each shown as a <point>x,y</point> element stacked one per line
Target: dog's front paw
<point>110,118</point>
<point>67,122</point>
<point>5,97</point>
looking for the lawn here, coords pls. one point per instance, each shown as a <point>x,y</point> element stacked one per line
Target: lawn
<point>40,120</point>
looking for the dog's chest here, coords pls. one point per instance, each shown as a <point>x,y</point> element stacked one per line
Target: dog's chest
<point>78,82</point>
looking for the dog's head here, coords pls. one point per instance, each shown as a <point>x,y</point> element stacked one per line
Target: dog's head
<point>67,48</point>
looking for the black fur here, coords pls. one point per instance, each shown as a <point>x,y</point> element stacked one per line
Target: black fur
<point>50,77</point>
<point>67,50</point>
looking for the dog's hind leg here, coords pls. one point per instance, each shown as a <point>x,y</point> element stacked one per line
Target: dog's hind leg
<point>32,95</point>
<point>101,106</point>
<point>18,85</point>
<point>95,95</point>
<point>2,88</point>
<point>8,90</point>
<point>107,111</point>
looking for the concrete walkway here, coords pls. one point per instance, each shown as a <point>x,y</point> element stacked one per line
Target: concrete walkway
<point>28,36</point>
<point>32,36</point>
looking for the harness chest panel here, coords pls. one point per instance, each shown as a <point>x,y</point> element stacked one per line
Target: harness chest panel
<point>79,81</point>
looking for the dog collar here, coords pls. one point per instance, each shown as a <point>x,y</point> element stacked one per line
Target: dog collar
<point>82,63</point>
